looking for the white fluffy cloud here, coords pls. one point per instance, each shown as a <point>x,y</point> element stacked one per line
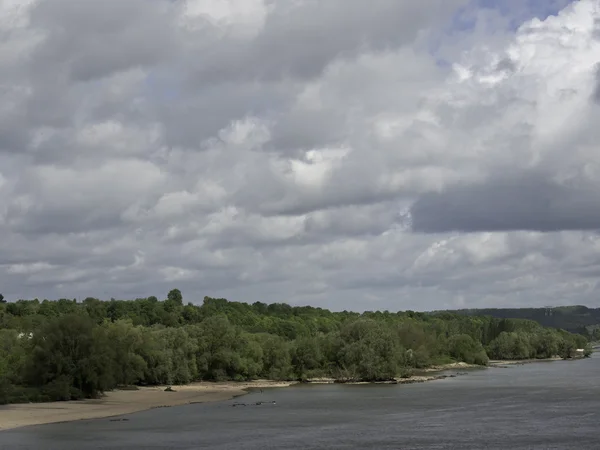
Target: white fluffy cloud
<point>347,154</point>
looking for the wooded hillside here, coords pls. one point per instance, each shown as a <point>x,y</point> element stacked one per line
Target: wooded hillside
<point>576,319</point>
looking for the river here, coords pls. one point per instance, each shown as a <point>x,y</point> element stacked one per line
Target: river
<point>534,406</point>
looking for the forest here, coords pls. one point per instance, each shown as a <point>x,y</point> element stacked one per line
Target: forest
<point>65,349</point>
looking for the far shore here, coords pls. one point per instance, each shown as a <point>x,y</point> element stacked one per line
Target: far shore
<point>122,402</point>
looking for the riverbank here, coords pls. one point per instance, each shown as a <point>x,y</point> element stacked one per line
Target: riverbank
<point>419,375</point>
<point>120,402</point>
<point>405,380</point>
<point>452,366</point>
<point>518,362</point>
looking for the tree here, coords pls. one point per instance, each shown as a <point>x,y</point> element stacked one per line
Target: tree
<point>128,366</point>
<point>174,301</point>
<point>463,348</point>
<point>69,352</point>
<point>175,296</point>
<point>2,299</point>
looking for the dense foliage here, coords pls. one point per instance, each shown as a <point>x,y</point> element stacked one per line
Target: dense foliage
<point>63,349</point>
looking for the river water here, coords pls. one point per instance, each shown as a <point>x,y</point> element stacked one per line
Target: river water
<point>534,406</point>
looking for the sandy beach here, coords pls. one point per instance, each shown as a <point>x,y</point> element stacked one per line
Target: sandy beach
<point>119,402</point>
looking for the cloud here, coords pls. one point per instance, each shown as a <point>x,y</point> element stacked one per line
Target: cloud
<point>86,41</point>
<point>79,198</point>
<point>532,122</point>
<point>346,154</point>
<point>300,39</point>
<point>527,201</point>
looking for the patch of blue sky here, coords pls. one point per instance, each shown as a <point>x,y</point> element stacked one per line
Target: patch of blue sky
<point>514,13</point>
<point>519,11</point>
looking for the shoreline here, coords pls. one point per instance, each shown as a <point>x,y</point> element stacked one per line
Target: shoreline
<point>505,363</point>
<point>122,402</point>
<point>420,375</point>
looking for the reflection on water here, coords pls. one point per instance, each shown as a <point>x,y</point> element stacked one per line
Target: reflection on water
<point>534,406</point>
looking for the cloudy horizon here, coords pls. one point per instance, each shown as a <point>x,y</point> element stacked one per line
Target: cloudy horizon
<point>346,154</point>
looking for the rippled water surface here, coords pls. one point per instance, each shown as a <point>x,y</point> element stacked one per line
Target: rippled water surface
<point>535,406</point>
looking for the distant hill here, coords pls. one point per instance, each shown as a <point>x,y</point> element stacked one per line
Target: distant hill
<point>576,319</point>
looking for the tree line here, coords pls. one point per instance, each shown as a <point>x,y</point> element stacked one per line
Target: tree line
<point>64,349</point>
<point>576,318</point>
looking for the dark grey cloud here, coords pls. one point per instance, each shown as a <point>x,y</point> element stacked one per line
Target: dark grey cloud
<point>85,41</point>
<point>188,121</point>
<point>527,201</point>
<point>300,129</point>
<point>300,39</point>
<point>596,93</point>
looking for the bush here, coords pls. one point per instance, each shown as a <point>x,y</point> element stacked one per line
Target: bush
<point>462,347</point>
<point>60,389</point>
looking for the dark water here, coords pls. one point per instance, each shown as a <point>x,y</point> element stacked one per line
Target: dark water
<point>535,406</point>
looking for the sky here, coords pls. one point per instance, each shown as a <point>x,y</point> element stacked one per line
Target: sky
<point>346,154</point>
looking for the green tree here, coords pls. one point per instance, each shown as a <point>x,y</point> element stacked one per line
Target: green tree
<point>277,362</point>
<point>127,364</point>
<point>463,347</point>
<point>69,352</point>
<point>306,356</point>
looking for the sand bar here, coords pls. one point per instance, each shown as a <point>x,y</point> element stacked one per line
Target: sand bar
<point>119,402</point>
